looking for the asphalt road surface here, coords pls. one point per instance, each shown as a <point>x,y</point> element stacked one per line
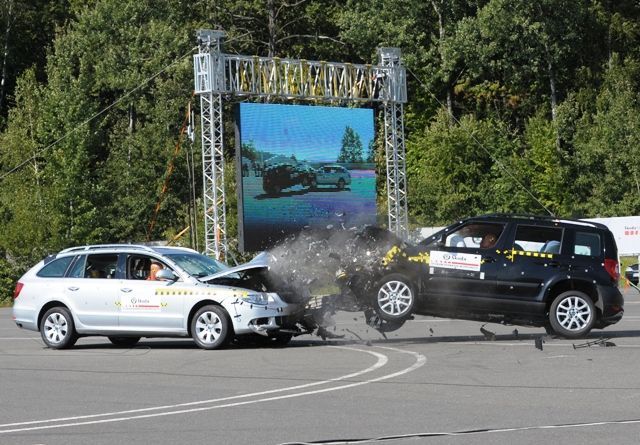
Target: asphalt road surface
<point>434,381</point>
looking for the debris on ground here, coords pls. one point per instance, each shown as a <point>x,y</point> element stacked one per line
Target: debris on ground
<point>515,333</point>
<point>604,342</point>
<point>539,341</point>
<point>488,335</point>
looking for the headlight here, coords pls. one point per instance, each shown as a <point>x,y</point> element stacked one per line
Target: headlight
<point>258,298</point>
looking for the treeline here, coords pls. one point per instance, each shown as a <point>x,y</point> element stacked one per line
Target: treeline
<point>514,106</point>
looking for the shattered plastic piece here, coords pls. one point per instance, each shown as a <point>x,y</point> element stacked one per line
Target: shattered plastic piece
<point>515,333</point>
<point>599,342</point>
<point>538,342</point>
<point>487,334</point>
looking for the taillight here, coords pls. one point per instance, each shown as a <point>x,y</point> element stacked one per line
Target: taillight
<point>611,266</point>
<point>17,290</point>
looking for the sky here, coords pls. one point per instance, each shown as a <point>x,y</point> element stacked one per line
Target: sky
<point>312,133</point>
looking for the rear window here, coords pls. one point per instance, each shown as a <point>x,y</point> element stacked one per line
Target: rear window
<point>587,243</point>
<point>538,239</point>
<point>101,266</point>
<point>56,268</point>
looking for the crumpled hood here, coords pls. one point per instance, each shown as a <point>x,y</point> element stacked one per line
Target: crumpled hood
<point>260,261</point>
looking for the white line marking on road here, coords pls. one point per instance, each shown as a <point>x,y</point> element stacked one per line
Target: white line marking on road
<point>382,360</point>
<point>19,338</point>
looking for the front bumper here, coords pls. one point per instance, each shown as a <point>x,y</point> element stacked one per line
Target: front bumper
<point>263,319</point>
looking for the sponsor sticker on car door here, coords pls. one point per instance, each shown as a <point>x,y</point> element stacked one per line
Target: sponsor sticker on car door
<point>455,260</point>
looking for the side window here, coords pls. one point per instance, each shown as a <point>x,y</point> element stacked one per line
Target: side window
<point>55,268</point>
<point>475,235</point>
<point>77,270</point>
<point>101,266</point>
<point>587,243</point>
<point>538,239</point>
<point>143,267</point>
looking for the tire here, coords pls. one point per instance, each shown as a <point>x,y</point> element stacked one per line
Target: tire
<point>124,342</point>
<point>341,184</point>
<point>394,298</point>
<point>572,314</point>
<point>211,327</point>
<point>57,328</point>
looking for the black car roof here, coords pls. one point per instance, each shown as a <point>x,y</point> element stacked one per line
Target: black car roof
<point>543,219</point>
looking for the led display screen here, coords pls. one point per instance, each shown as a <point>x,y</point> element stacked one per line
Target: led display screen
<point>302,166</point>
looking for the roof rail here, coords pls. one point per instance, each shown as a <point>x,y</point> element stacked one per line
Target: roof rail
<point>106,246</point>
<point>544,217</point>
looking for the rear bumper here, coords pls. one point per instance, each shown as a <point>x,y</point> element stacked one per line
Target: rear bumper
<point>25,318</point>
<point>611,304</point>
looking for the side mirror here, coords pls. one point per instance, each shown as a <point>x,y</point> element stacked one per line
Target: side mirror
<point>166,275</point>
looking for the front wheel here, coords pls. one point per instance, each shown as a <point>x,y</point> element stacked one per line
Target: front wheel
<point>57,328</point>
<point>572,314</point>
<point>211,327</point>
<point>395,298</point>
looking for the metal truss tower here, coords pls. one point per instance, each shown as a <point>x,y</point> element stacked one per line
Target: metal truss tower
<point>217,74</point>
<point>395,151</point>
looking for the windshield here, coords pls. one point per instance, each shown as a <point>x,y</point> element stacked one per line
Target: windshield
<point>196,265</point>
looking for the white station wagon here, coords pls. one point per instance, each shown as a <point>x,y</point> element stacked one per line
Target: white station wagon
<point>126,292</point>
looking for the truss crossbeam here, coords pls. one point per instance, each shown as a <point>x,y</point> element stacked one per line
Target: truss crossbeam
<point>217,74</point>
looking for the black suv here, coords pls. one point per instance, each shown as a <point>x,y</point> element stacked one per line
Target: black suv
<point>280,176</point>
<point>525,270</point>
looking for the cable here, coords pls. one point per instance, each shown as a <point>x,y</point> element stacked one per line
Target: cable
<point>99,113</point>
<point>496,161</point>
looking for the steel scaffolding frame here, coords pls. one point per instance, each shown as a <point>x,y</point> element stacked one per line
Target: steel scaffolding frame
<point>217,74</point>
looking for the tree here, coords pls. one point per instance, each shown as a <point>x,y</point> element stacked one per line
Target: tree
<point>605,172</point>
<point>351,149</point>
<point>371,152</point>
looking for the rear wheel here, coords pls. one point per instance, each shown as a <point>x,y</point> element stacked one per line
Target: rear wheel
<point>341,183</point>
<point>395,298</point>
<point>572,314</point>
<point>211,327</point>
<point>57,328</point>
<point>124,342</point>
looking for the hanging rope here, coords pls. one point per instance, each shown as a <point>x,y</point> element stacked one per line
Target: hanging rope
<point>170,167</point>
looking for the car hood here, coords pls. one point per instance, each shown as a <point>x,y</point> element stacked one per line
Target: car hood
<point>260,261</point>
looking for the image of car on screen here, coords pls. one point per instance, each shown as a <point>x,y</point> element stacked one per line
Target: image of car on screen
<point>126,292</point>
<point>280,176</point>
<point>335,175</point>
<point>533,271</point>
<point>633,273</point>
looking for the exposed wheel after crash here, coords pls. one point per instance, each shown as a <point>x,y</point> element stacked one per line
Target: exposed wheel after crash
<point>394,298</point>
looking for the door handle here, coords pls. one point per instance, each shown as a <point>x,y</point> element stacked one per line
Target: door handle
<point>73,288</point>
<point>558,264</point>
<point>126,289</point>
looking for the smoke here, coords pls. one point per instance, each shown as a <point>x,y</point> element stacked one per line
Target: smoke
<point>311,263</point>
